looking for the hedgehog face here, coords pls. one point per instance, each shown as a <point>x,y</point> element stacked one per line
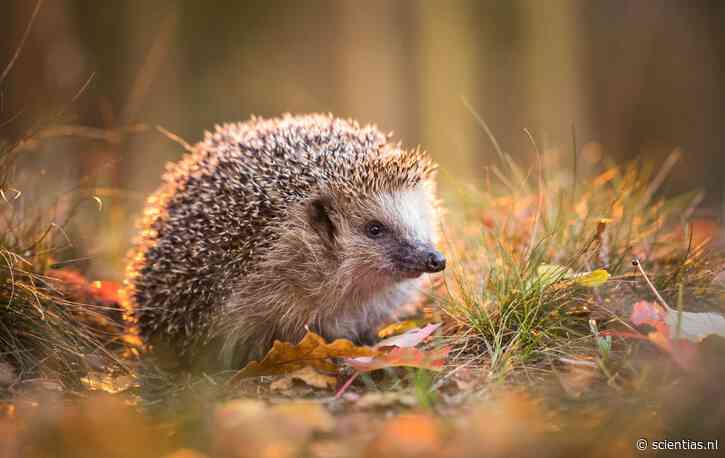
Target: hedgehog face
<point>400,234</point>
<point>387,237</point>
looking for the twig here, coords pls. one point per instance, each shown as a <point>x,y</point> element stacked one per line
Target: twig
<point>638,265</point>
<point>176,138</point>
<point>23,39</point>
<point>347,384</point>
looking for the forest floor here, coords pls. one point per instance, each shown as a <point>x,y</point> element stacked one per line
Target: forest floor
<point>579,315</point>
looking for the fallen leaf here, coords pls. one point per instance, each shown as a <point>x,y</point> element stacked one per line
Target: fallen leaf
<point>312,351</point>
<point>551,273</point>
<point>313,378</point>
<point>686,325</point>
<point>282,385</point>
<point>307,375</point>
<point>410,338</point>
<point>644,312</point>
<point>400,327</point>
<point>695,326</point>
<point>683,352</point>
<point>592,279</point>
<point>402,354</point>
<point>402,357</point>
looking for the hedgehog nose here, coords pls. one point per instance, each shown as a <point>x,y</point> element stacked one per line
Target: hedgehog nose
<point>436,262</point>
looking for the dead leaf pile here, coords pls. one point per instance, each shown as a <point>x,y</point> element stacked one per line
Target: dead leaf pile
<point>311,361</point>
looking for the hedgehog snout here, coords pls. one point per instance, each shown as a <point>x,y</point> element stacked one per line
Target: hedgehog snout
<point>436,262</point>
<point>418,258</point>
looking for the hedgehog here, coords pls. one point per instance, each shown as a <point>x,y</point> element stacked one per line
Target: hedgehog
<point>271,228</point>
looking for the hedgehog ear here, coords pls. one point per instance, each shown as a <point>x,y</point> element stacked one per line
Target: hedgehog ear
<point>318,213</point>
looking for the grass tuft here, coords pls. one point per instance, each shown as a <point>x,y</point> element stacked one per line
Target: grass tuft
<point>512,300</point>
<point>47,332</point>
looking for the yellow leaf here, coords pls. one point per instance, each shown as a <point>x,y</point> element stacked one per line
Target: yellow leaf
<point>593,279</point>
<point>400,327</point>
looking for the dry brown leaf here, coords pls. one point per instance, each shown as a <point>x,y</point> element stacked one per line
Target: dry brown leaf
<point>312,351</point>
<point>313,378</point>
<point>282,385</point>
<point>308,376</point>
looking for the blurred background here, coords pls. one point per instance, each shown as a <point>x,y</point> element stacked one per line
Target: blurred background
<point>637,79</point>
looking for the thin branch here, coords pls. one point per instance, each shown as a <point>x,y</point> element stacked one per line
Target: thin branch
<point>24,38</point>
<point>638,265</point>
<point>175,138</point>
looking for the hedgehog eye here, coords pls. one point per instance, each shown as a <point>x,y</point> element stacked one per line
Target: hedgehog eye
<point>374,229</point>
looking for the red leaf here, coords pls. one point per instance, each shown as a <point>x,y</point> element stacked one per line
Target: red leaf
<point>105,291</point>
<point>682,352</point>
<point>408,356</point>
<point>647,313</point>
<point>410,338</point>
